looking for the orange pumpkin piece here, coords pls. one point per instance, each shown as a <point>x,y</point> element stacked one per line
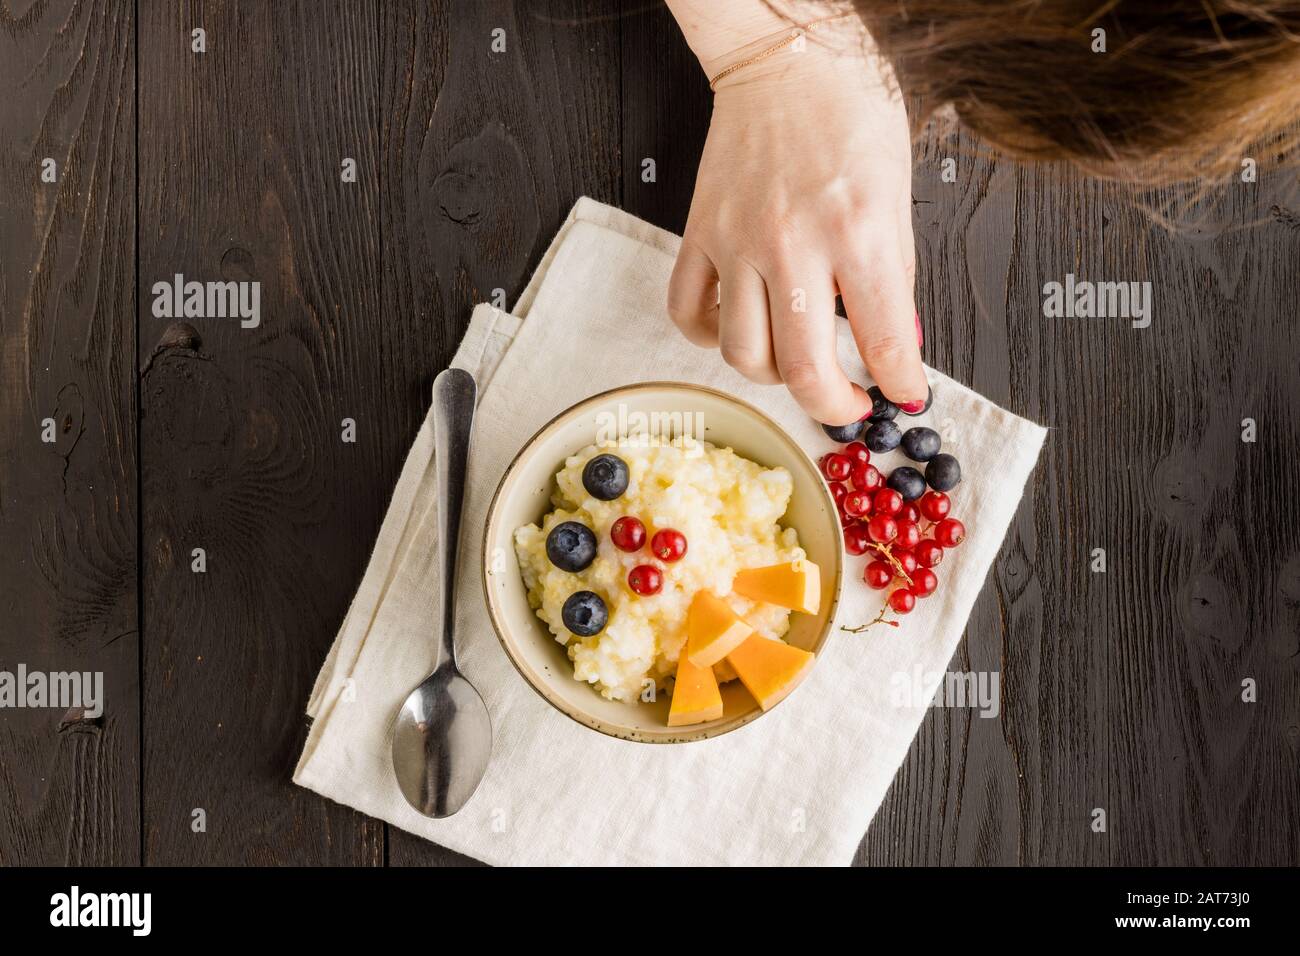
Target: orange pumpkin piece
<point>713,629</point>
<point>769,669</point>
<point>695,695</point>
<point>795,584</point>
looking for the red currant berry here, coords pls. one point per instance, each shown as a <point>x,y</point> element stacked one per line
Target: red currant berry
<point>878,575</point>
<point>909,535</point>
<point>628,533</point>
<point>902,601</point>
<point>906,560</point>
<point>887,502</point>
<point>910,513</point>
<point>838,491</point>
<point>668,545</point>
<point>924,582</point>
<point>846,520</point>
<point>949,532</point>
<point>857,503</point>
<point>866,478</point>
<point>928,553</point>
<point>645,579</point>
<point>883,529</point>
<point>836,467</point>
<point>856,538</point>
<point>857,453</point>
<point>935,505</point>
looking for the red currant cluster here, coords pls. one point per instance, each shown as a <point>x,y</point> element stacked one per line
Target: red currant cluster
<point>628,534</point>
<point>906,539</point>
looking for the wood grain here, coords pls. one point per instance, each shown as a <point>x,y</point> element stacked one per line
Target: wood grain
<point>666,106</point>
<point>69,785</point>
<point>1207,594</point>
<point>241,435</point>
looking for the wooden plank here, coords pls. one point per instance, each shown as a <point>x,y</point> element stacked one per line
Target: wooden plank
<point>69,784</point>
<point>241,159</point>
<point>1018,789</point>
<point>666,107</point>
<point>1208,580</point>
<point>483,153</point>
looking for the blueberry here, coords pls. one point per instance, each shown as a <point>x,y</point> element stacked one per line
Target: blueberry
<point>585,613</point>
<point>882,409</point>
<point>605,477</point>
<point>908,482</point>
<point>921,443</point>
<point>943,473</point>
<point>571,546</point>
<point>883,436</point>
<point>929,400</point>
<point>843,434</point>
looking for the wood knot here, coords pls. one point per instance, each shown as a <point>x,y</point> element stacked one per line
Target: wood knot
<point>179,338</point>
<point>459,197</point>
<point>1180,487</point>
<point>75,721</point>
<point>180,335</point>
<point>1207,608</point>
<point>236,264</point>
<point>1284,216</point>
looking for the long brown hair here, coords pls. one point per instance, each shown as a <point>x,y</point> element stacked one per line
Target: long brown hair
<point>1168,91</point>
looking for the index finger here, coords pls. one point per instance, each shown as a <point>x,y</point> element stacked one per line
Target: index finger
<point>879,302</point>
<point>803,337</point>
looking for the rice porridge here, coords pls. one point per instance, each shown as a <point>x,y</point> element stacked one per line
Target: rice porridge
<point>617,592</point>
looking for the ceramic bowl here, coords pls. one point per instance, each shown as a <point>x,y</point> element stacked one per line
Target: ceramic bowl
<point>524,496</point>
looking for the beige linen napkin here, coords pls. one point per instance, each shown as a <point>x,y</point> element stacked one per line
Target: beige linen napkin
<point>798,786</point>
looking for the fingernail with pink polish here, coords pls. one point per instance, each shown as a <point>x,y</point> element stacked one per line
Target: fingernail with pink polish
<point>920,335</point>
<point>912,407</point>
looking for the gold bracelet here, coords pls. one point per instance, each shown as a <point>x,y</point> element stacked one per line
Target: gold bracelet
<point>792,37</point>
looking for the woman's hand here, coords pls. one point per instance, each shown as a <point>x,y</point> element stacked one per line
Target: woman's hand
<point>804,191</point>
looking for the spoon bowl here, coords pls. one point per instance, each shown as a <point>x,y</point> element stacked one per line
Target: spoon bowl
<point>441,742</point>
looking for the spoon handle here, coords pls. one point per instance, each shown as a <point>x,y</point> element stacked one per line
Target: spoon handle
<point>454,394</point>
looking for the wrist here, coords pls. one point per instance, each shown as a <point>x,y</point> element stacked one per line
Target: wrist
<point>846,70</point>
<point>812,53</point>
<point>716,29</point>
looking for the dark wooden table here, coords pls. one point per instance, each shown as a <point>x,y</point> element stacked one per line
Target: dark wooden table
<point>1120,690</point>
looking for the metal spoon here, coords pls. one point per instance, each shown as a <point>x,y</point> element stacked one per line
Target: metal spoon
<point>442,736</point>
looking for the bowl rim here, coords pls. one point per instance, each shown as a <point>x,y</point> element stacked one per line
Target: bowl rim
<point>587,720</point>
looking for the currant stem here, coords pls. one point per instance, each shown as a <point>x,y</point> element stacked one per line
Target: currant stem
<point>884,549</point>
<point>880,619</point>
